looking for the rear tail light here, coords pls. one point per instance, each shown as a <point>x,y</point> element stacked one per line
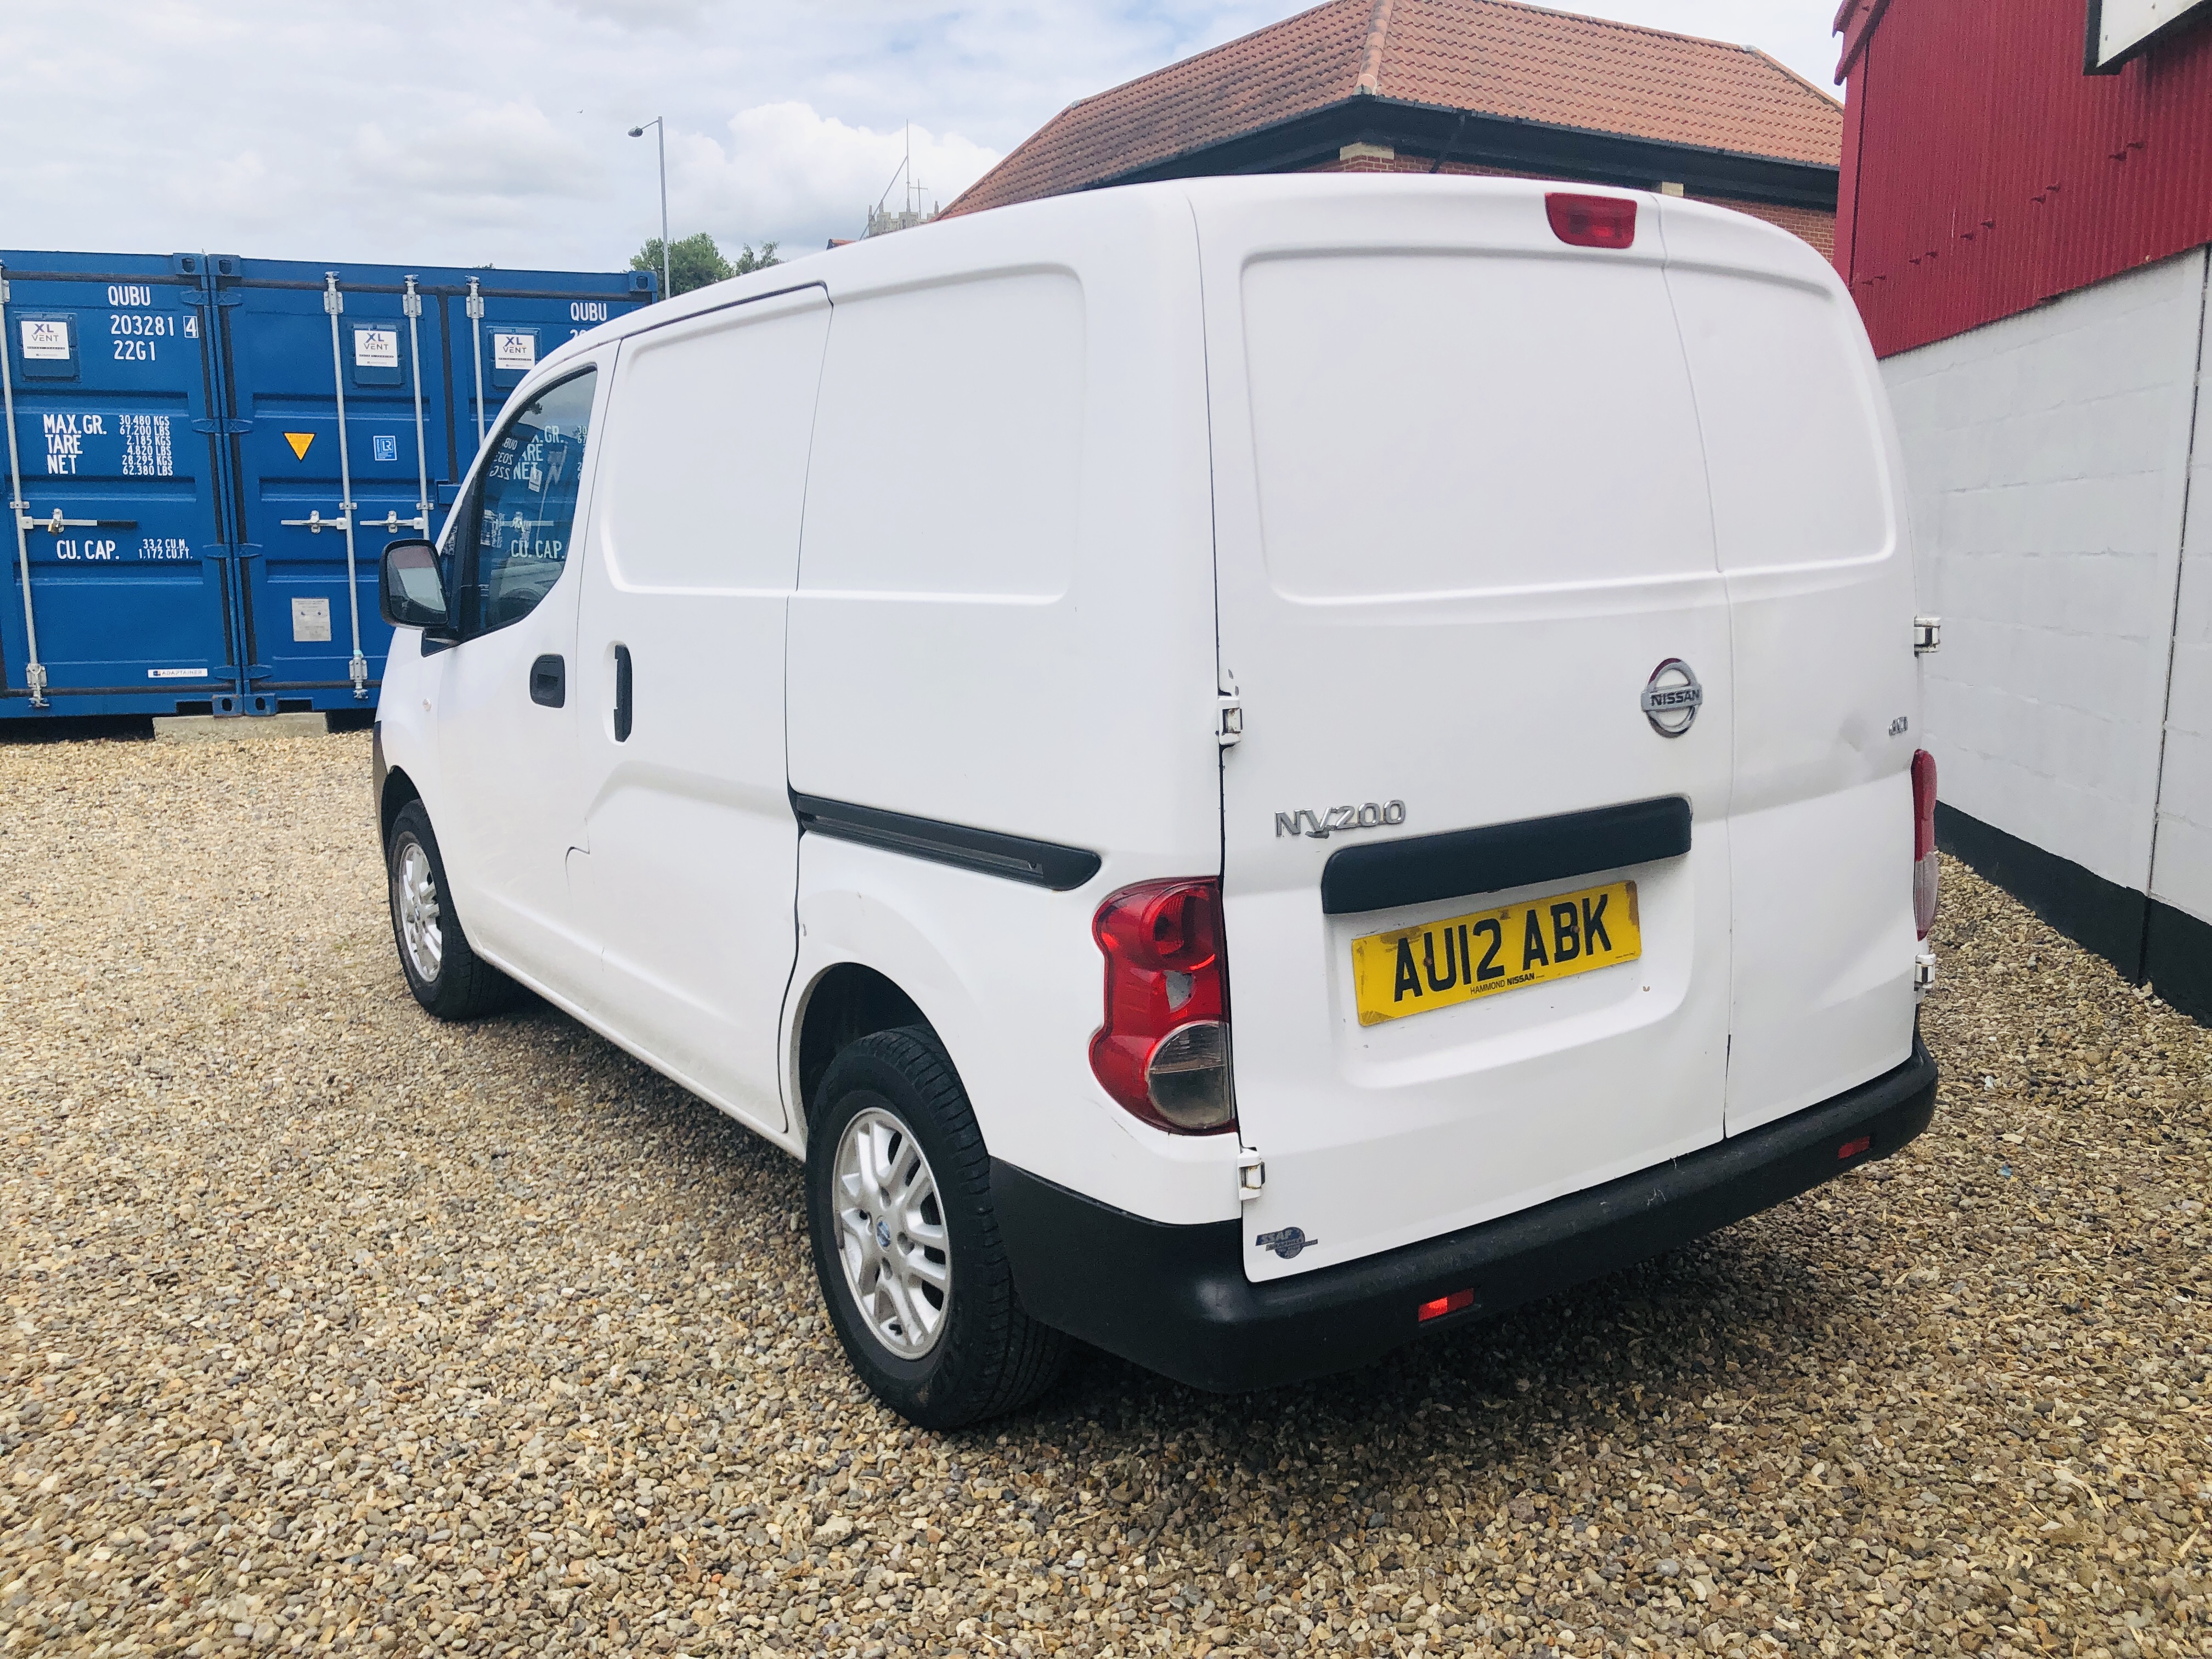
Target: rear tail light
<point>1164,1051</point>
<point>1924,841</point>
<point>1592,221</point>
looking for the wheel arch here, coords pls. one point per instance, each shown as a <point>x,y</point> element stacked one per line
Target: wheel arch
<point>398,789</point>
<point>844,1002</point>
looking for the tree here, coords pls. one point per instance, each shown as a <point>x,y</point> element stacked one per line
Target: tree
<point>696,261</point>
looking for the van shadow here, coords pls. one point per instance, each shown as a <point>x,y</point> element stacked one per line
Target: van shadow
<point>1583,1396</point>
<point>1564,1393</point>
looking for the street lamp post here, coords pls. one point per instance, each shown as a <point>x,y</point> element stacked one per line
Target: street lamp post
<point>660,141</point>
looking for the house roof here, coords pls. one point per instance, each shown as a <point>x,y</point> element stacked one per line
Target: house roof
<point>1488,57</point>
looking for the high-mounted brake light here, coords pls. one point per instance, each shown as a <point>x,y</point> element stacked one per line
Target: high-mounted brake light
<point>1164,1051</point>
<point>1924,841</point>
<point>1592,221</point>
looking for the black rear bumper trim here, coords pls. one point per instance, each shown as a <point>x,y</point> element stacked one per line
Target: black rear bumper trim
<point>1382,875</point>
<point>1175,1298</point>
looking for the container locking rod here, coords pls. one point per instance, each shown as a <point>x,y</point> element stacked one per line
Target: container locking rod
<point>34,671</point>
<point>411,303</point>
<point>476,354</point>
<point>357,670</point>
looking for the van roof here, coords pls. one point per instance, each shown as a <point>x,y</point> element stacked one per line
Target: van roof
<point>1048,231</point>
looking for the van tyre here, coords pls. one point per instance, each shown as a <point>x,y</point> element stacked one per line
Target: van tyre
<point>906,1243</point>
<point>447,977</point>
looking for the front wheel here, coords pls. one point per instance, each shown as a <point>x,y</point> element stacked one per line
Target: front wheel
<point>444,972</point>
<point>906,1244</point>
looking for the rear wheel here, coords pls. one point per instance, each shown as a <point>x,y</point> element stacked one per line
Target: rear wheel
<point>446,974</point>
<point>906,1244</point>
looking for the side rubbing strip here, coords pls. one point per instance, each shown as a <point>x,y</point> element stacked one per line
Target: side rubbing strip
<point>1384,874</point>
<point>1016,858</point>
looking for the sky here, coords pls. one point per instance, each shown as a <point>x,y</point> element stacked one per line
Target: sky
<point>495,131</point>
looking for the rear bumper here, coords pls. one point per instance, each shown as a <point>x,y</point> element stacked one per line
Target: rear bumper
<point>1175,1298</point>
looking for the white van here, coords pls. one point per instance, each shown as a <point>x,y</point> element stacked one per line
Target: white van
<point>1246,769</point>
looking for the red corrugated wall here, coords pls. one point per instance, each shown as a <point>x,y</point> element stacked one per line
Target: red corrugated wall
<point>1984,172</point>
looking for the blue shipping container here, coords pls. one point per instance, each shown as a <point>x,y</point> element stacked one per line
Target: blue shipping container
<point>203,448</point>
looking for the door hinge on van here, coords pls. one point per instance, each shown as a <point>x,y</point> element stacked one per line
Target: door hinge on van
<point>1228,718</point>
<point>1251,1175</point>
<point>1927,636</point>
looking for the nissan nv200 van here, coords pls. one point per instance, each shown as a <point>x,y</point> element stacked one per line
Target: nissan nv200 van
<point>1246,769</point>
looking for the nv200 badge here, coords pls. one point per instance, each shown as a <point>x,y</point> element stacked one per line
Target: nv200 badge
<point>1319,826</point>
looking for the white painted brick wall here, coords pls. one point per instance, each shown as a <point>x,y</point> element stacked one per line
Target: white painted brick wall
<point>2045,458</point>
<point>2181,872</point>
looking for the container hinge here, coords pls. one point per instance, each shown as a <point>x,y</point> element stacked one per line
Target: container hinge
<point>1924,973</point>
<point>232,428</point>
<point>1251,1175</point>
<point>1228,720</point>
<point>1927,636</point>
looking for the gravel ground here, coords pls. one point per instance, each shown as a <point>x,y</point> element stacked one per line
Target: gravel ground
<point>331,1328</point>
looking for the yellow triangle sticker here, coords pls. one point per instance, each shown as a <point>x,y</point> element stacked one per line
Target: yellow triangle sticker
<point>300,440</point>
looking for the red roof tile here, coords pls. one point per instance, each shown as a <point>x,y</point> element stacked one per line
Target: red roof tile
<point>1491,57</point>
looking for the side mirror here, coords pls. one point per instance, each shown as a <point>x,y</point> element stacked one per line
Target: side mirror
<point>409,590</point>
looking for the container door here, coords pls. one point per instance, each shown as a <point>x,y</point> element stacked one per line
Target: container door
<point>320,496</point>
<point>116,462</point>
<point>1462,521</point>
<point>1813,543</point>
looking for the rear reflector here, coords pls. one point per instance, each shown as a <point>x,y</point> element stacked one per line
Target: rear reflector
<point>1925,869</point>
<point>1442,1305</point>
<point>1853,1148</point>
<point>1592,221</point>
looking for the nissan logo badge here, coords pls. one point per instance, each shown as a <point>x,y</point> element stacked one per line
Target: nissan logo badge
<point>1672,698</point>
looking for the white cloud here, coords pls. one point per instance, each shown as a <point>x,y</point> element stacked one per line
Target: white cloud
<point>432,131</point>
<point>786,165</point>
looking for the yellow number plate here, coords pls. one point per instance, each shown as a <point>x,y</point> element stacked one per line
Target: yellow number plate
<point>1441,965</point>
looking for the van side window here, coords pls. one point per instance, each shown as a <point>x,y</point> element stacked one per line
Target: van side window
<point>515,539</point>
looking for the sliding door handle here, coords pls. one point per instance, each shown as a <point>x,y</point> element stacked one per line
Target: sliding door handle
<point>549,682</point>
<point>622,693</point>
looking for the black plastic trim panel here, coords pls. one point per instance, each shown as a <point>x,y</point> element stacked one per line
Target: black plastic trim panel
<point>1175,1298</point>
<point>1382,875</point>
<point>986,852</point>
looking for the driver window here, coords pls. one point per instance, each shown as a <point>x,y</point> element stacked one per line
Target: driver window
<point>525,507</point>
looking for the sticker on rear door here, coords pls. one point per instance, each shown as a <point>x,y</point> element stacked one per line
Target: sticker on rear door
<point>1441,965</point>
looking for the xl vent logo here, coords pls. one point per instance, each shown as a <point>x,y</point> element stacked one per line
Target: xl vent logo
<point>1319,826</point>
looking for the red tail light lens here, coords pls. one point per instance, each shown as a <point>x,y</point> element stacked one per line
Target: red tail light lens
<point>1457,1301</point>
<point>1592,221</point>
<point>1924,841</point>
<point>1164,1051</point>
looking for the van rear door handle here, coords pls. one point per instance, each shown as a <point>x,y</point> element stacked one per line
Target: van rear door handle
<point>549,682</point>
<point>622,693</point>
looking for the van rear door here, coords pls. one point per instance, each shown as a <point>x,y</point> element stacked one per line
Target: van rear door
<point>1461,520</point>
<point>1813,548</point>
